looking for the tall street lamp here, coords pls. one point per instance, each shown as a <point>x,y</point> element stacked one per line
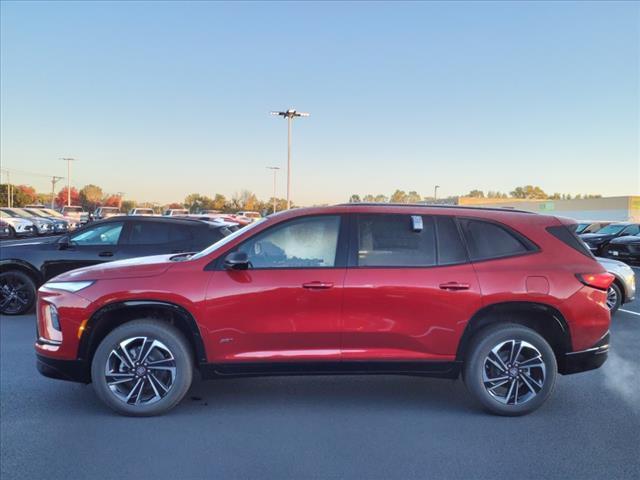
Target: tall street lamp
<point>275,171</point>
<point>289,115</point>
<point>68,160</point>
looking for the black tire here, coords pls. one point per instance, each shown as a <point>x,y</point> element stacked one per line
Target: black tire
<point>12,232</point>
<point>614,290</point>
<point>478,367</point>
<point>171,339</point>
<point>17,293</point>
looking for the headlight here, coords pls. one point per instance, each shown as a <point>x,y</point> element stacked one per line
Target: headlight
<point>68,286</point>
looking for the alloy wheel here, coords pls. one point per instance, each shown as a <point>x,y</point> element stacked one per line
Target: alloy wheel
<point>140,370</point>
<point>612,298</point>
<point>514,372</point>
<point>15,294</point>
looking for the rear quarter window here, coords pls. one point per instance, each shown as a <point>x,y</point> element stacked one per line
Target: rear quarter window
<point>487,240</point>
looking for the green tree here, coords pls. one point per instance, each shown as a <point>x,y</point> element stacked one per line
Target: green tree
<point>399,196</point>
<point>369,198</point>
<point>476,194</point>
<point>219,202</point>
<point>381,198</point>
<point>355,198</point>
<point>413,197</point>
<point>128,205</point>
<point>90,196</point>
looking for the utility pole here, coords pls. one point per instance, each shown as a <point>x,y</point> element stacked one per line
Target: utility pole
<point>435,193</point>
<point>54,180</point>
<point>69,160</point>
<point>289,115</point>
<point>275,171</point>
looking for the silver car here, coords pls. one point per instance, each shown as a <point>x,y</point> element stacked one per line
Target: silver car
<point>623,288</point>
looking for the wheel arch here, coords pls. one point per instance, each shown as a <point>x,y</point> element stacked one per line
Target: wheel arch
<point>115,314</point>
<point>540,317</point>
<point>9,264</point>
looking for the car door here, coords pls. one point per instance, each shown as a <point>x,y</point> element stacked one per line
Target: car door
<point>409,288</point>
<point>89,246</point>
<point>286,305</point>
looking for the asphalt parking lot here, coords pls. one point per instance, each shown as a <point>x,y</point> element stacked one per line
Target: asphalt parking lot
<point>322,427</point>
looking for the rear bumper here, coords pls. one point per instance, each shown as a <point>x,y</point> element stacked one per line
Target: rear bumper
<point>71,370</point>
<point>584,360</point>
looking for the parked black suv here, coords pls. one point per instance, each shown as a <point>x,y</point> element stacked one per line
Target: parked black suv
<point>25,266</point>
<point>599,240</point>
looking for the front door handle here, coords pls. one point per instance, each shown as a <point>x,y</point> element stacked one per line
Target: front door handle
<point>454,286</point>
<point>318,285</point>
<point>105,254</point>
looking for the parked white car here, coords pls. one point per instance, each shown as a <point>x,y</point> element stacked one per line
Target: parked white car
<point>106,212</point>
<point>21,226</point>
<point>176,212</point>
<point>75,214</point>
<point>623,288</point>
<point>142,211</point>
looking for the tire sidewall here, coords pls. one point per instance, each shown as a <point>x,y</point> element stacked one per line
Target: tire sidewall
<point>619,300</point>
<point>30,284</point>
<point>175,342</point>
<point>482,345</point>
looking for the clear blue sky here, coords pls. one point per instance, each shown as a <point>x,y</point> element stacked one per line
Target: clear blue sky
<point>163,99</point>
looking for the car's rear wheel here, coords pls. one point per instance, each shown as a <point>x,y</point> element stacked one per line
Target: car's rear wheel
<point>614,298</point>
<point>510,369</point>
<point>17,293</point>
<point>142,368</point>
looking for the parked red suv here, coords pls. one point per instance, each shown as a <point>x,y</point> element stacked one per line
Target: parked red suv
<point>506,299</point>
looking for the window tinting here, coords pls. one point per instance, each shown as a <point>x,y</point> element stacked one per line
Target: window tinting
<point>309,242</point>
<point>631,230</point>
<point>104,234</point>
<point>450,247</point>
<point>390,241</point>
<point>489,240</point>
<point>149,233</point>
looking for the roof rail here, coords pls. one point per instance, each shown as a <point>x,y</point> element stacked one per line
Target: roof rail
<point>428,205</point>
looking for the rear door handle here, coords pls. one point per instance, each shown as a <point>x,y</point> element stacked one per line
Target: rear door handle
<point>454,286</point>
<point>318,285</point>
<point>105,254</point>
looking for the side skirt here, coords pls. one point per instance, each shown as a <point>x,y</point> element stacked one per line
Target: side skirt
<point>243,369</point>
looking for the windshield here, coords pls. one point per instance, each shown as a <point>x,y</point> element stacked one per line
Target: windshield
<point>72,209</point>
<point>611,230</point>
<point>109,209</point>
<point>52,213</point>
<point>225,240</point>
<point>21,213</point>
<point>35,212</point>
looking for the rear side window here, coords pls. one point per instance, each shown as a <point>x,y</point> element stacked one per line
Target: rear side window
<point>450,247</point>
<point>487,240</point>
<point>392,241</point>
<point>149,233</point>
<point>566,234</point>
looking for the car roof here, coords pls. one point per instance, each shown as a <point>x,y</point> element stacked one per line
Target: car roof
<point>154,219</point>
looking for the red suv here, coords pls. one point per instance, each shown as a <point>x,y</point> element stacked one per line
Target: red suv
<point>505,299</point>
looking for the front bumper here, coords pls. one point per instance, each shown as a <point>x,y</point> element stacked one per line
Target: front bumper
<point>71,370</point>
<point>584,360</point>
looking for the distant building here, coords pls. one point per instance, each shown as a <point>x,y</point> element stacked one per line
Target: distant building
<point>609,208</point>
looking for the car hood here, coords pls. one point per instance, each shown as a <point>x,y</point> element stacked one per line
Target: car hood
<point>17,221</point>
<point>594,237</point>
<point>628,240</point>
<point>10,248</point>
<point>132,268</point>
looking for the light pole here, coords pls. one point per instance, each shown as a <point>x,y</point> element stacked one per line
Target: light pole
<point>435,193</point>
<point>68,160</point>
<point>289,115</point>
<point>54,180</point>
<point>275,172</point>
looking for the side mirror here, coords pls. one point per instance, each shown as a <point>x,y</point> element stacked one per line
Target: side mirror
<point>236,261</point>
<point>63,243</point>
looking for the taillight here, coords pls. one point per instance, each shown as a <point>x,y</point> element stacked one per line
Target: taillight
<point>600,281</point>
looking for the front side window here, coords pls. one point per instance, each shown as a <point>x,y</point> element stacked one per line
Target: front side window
<point>489,240</point>
<point>303,243</point>
<point>395,241</point>
<point>105,234</point>
<point>631,230</point>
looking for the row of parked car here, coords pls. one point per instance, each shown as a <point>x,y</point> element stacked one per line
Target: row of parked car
<point>618,240</point>
<point>34,220</point>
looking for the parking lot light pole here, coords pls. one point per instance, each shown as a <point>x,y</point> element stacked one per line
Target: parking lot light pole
<point>289,115</point>
<point>68,160</point>
<point>54,180</point>
<point>275,171</point>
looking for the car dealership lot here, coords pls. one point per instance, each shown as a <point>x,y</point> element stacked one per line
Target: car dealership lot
<point>320,427</point>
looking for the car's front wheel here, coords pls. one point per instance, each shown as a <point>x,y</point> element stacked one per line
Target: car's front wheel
<point>510,369</point>
<point>17,293</point>
<point>142,368</point>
